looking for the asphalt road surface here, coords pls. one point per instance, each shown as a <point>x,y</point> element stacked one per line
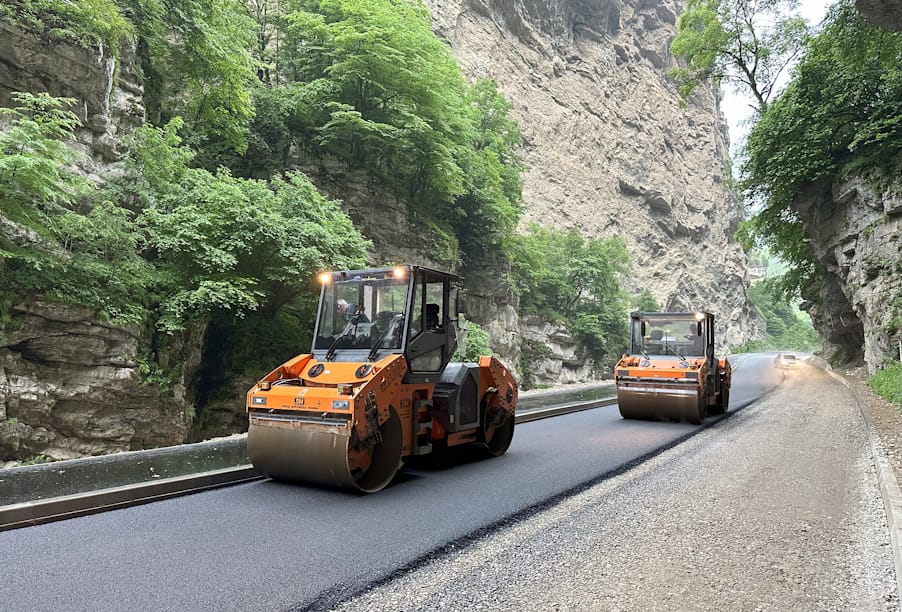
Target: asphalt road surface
<point>273,546</point>
<point>776,508</point>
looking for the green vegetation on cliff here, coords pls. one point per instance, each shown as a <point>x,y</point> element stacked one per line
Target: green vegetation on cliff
<point>87,22</point>
<point>163,244</point>
<point>786,327</point>
<point>566,279</point>
<point>208,220</point>
<point>842,112</point>
<point>368,83</point>
<point>207,229</point>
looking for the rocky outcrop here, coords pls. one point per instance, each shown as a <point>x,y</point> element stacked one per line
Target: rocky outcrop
<point>855,232</point>
<point>886,14</point>
<point>556,356</point>
<point>71,386</point>
<point>610,149</point>
<point>107,87</point>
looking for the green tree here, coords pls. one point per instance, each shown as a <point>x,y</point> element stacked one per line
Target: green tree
<point>196,62</point>
<point>369,83</point>
<point>225,246</point>
<point>564,278</point>
<point>486,214</point>
<point>34,160</point>
<point>786,327</point>
<point>382,90</point>
<point>645,302</point>
<point>841,113</point>
<point>79,250</point>
<point>748,43</point>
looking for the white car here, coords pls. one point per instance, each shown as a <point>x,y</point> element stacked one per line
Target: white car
<point>787,361</point>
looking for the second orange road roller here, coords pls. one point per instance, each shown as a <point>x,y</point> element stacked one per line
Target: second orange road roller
<point>671,372</point>
<point>378,385</point>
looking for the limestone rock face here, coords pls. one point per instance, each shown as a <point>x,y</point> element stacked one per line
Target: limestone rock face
<point>610,150</point>
<point>561,361</point>
<point>856,235</point>
<point>70,386</point>
<point>884,13</point>
<point>109,91</point>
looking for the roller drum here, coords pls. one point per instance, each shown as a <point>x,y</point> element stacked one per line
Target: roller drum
<point>658,403</point>
<point>317,454</point>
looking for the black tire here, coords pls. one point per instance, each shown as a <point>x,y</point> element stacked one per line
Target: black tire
<point>501,439</point>
<point>697,416</point>
<point>496,427</point>
<point>723,401</point>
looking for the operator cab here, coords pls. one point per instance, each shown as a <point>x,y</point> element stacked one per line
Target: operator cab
<point>365,315</point>
<point>669,334</point>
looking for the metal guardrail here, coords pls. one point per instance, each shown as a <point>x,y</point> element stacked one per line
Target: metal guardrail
<point>37,511</point>
<point>27,514</point>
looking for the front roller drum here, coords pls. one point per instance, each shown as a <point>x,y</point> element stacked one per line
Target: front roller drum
<point>665,404</point>
<point>323,455</point>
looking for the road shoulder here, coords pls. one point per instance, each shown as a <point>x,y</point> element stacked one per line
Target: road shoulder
<point>884,421</point>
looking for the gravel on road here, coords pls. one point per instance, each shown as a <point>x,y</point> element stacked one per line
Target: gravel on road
<point>775,508</point>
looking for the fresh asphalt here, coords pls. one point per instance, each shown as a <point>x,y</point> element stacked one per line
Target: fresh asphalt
<point>273,546</point>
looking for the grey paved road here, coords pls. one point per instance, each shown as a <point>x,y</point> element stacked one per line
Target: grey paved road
<point>270,546</point>
<point>775,509</point>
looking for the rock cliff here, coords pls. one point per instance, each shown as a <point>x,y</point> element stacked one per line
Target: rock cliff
<point>855,232</point>
<point>884,13</point>
<point>611,151</point>
<point>108,90</point>
<point>70,386</point>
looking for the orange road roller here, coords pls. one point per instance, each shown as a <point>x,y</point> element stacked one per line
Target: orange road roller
<point>671,372</point>
<point>378,385</point>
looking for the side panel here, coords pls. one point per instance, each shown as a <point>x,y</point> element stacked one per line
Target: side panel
<point>456,399</point>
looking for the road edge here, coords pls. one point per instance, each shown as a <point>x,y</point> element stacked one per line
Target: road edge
<point>889,486</point>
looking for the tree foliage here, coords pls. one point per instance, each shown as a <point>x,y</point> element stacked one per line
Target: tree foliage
<point>67,247</point>
<point>841,112</point>
<point>786,327</point>
<point>224,245</point>
<point>564,278</point>
<point>369,83</point>
<point>196,62</point>
<point>476,342</point>
<point>645,302</point>
<point>165,243</point>
<point>86,23</point>
<point>33,158</point>
<point>744,42</point>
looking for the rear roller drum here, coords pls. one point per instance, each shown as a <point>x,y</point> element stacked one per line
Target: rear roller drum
<point>697,414</point>
<point>496,428</point>
<point>722,403</point>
